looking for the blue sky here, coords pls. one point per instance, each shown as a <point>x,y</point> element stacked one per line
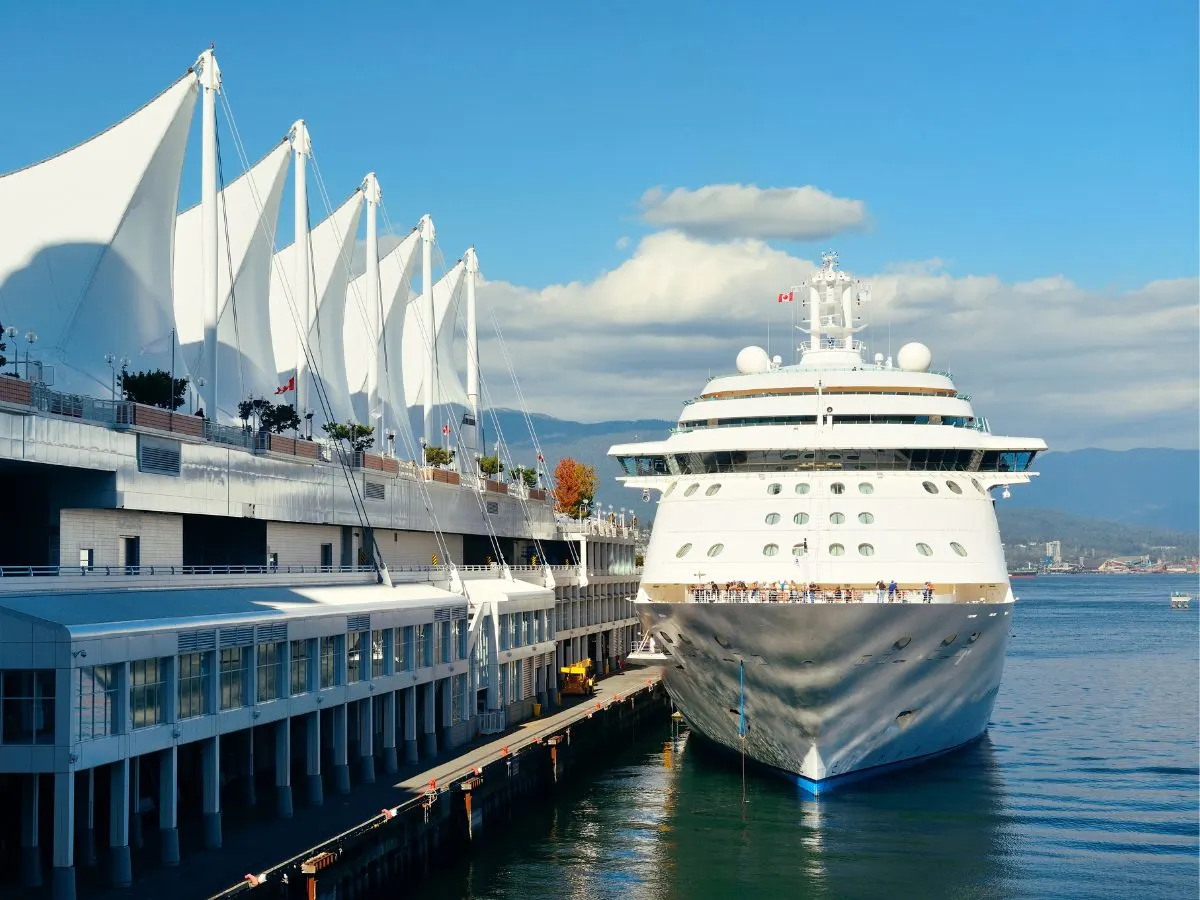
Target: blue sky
<point>1024,139</point>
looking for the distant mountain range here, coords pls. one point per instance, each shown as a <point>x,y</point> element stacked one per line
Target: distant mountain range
<point>1153,489</point>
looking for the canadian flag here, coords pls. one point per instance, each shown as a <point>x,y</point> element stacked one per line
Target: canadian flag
<point>445,429</point>
<point>541,458</point>
<point>290,386</point>
<point>787,298</point>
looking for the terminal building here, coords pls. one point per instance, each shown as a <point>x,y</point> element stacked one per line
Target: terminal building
<point>199,613</point>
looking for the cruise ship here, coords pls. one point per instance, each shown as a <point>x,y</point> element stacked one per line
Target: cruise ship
<point>825,574</point>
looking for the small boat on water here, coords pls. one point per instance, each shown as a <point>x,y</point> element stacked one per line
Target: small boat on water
<point>1180,600</point>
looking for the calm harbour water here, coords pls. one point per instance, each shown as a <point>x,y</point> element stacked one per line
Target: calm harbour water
<point>1086,786</point>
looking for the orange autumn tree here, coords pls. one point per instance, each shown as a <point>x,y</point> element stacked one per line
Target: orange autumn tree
<point>575,486</point>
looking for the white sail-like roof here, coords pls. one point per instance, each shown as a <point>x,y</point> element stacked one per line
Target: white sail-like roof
<point>448,387</point>
<point>332,244</point>
<point>247,210</point>
<point>395,273</point>
<point>85,245</point>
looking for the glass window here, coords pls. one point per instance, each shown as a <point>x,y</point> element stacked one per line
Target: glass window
<point>399,656</point>
<point>800,518</point>
<point>299,667</point>
<point>715,549</point>
<point>800,549</point>
<point>712,490</point>
<point>355,642</point>
<point>234,663</point>
<point>670,487</point>
<point>194,669</point>
<point>866,550</point>
<point>803,487</point>
<point>837,488</point>
<point>691,489</point>
<point>958,548</point>
<point>866,518</point>
<point>770,549</point>
<point>147,684</point>
<point>683,551</point>
<point>27,704</point>
<point>865,487</point>
<point>953,485</point>
<point>772,518</point>
<point>331,659</point>
<point>836,518</point>
<point>379,653</point>
<point>96,701</point>
<point>978,486</point>
<point>774,488</point>
<point>929,486</point>
<point>924,549</point>
<point>447,645</point>
<point>427,640</point>
<point>462,635</point>
<point>836,550</point>
<point>269,682</point>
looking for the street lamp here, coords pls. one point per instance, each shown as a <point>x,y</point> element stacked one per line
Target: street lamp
<point>111,359</point>
<point>30,340</point>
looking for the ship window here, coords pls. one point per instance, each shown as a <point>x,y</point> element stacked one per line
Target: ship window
<point>800,549</point>
<point>978,486</point>
<point>953,485</point>
<point>924,549</point>
<point>683,551</point>
<point>958,548</point>
<point>772,518</point>
<point>715,549</point>
<point>800,518</point>
<point>866,550</point>
<point>712,490</point>
<point>774,488</point>
<point>836,518</point>
<point>770,549</point>
<point>692,488</point>
<point>836,550</point>
<point>929,486</point>
<point>670,487</point>
<point>866,518</point>
<point>803,487</point>
<point>866,487</point>
<point>837,488</point>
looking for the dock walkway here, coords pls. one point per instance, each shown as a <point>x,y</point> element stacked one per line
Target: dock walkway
<point>254,844</point>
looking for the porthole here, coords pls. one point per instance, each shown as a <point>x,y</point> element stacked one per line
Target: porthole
<point>712,490</point>
<point>950,639</point>
<point>902,643</point>
<point>865,487</point>
<point>958,548</point>
<point>670,488</point>
<point>774,488</point>
<point>929,486</point>
<point>800,518</point>
<point>692,488</point>
<point>837,488</point>
<point>770,550</point>
<point>978,486</point>
<point>772,518</point>
<point>953,485</point>
<point>924,549</point>
<point>975,635</point>
<point>715,549</point>
<point>836,550</point>
<point>800,549</point>
<point>803,487</point>
<point>683,551</point>
<point>836,518</point>
<point>866,550</point>
<point>866,518</point>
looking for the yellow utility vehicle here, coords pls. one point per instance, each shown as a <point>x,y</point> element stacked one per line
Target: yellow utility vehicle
<point>579,678</point>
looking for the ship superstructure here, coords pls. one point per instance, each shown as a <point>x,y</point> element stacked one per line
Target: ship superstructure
<point>825,568</point>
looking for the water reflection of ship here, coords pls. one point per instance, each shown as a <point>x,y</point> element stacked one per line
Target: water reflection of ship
<point>931,831</point>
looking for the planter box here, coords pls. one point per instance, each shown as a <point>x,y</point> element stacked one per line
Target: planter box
<point>537,494</point>
<point>445,476</point>
<point>164,420</point>
<point>379,463</point>
<point>277,443</point>
<point>15,390</point>
<point>496,487</point>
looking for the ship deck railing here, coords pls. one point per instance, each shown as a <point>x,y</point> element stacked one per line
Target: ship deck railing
<point>774,595</point>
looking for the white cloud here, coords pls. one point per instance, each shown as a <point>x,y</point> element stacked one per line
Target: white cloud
<point>725,211</point>
<point>1042,358</point>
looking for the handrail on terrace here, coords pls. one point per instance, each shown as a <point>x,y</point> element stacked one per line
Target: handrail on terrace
<point>774,595</point>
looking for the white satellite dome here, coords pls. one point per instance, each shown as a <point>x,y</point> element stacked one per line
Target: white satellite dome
<point>753,360</point>
<point>914,357</point>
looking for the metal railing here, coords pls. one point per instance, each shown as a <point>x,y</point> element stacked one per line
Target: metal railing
<point>802,595</point>
<point>176,569</point>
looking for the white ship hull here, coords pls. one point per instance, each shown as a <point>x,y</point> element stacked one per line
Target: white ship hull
<point>834,691</point>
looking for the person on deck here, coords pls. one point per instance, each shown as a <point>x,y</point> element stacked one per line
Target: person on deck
<point>892,591</point>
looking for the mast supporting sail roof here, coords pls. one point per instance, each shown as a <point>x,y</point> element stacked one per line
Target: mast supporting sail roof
<point>86,240</point>
<point>323,330</point>
<point>248,209</point>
